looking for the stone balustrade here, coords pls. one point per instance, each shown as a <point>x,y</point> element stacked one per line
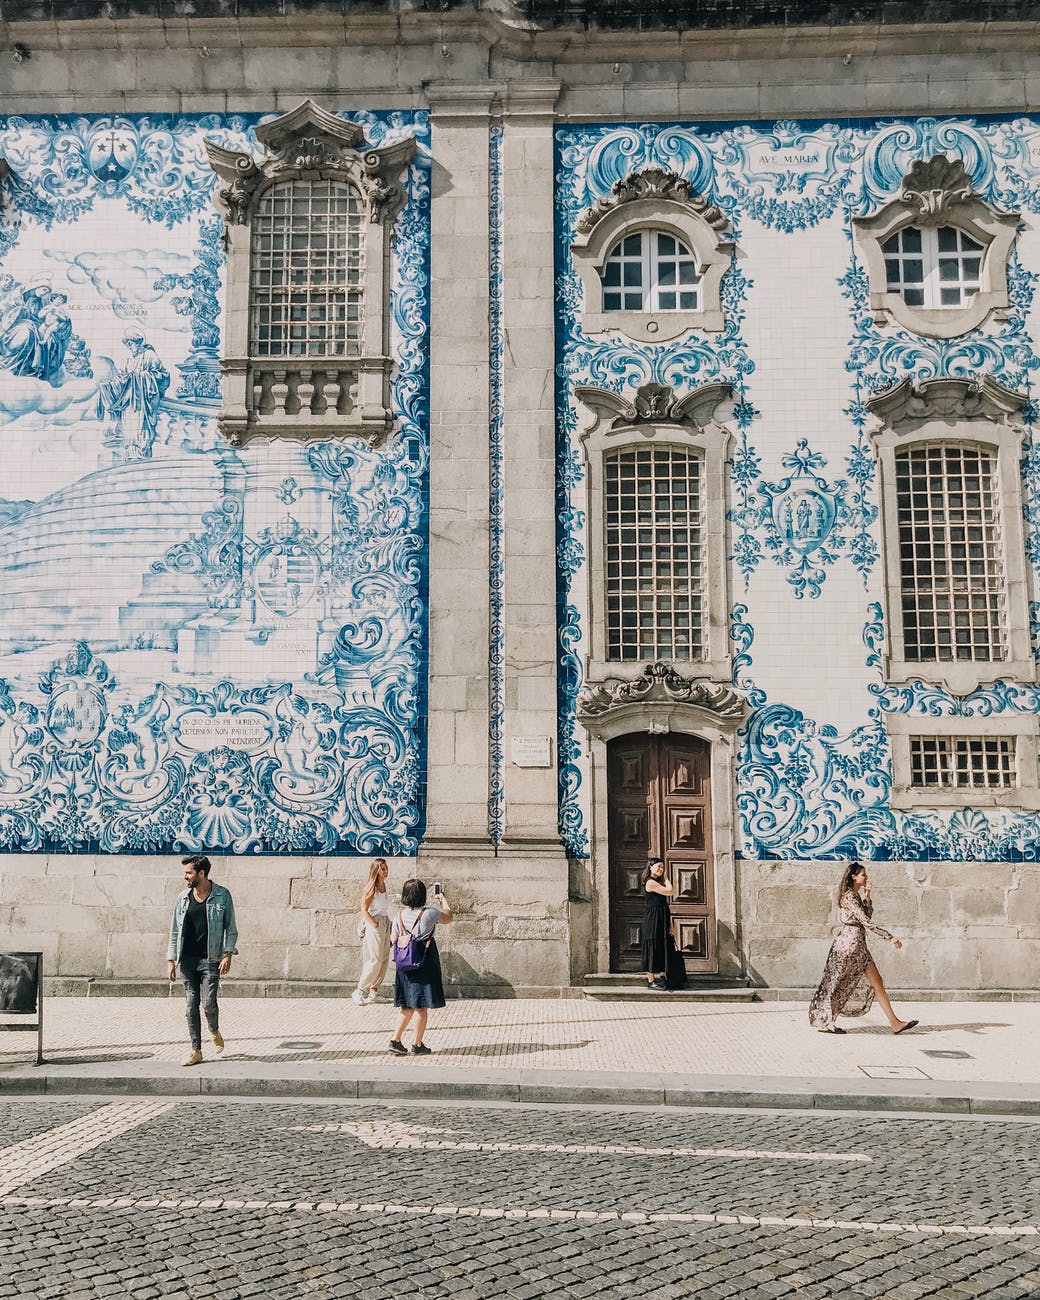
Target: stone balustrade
<point>316,390</point>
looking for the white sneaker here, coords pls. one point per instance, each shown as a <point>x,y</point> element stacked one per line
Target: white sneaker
<point>369,998</point>
<point>358,997</point>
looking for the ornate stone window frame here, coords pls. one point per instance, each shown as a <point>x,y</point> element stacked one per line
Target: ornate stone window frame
<point>661,201</point>
<point>656,417</point>
<point>977,413</point>
<point>659,701</point>
<point>301,397</point>
<point>1024,727</point>
<point>939,192</point>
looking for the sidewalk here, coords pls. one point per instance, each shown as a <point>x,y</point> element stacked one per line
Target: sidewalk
<point>970,1057</point>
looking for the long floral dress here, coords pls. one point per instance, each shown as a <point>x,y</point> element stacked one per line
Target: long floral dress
<point>844,990</point>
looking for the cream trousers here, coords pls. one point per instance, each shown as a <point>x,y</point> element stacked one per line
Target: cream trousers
<point>375,954</point>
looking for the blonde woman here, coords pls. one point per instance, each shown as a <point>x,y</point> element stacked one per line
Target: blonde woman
<point>375,934</point>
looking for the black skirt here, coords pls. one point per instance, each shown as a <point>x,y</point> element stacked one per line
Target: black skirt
<point>423,987</point>
<point>656,921</point>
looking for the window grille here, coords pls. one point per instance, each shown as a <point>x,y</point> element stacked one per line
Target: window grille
<point>963,762</point>
<point>651,271</point>
<point>952,582</point>
<point>308,249</point>
<point>933,267</point>
<point>654,554</point>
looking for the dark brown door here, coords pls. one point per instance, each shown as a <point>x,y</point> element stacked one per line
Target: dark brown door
<point>659,796</point>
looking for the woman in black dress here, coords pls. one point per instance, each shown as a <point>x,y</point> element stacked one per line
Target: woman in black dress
<point>657,923</point>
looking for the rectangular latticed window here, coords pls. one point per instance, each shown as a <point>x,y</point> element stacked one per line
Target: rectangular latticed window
<point>307,269</point>
<point>962,762</point>
<point>654,555</point>
<point>952,581</point>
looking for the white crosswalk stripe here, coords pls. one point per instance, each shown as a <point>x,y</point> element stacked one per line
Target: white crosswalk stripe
<point>36,1156</point>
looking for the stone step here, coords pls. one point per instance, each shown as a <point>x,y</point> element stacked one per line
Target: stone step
<point>614,987</point>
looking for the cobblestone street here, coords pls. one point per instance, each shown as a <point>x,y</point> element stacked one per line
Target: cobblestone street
<point>170,1200</point>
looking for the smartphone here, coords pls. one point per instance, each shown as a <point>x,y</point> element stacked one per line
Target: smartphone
<point>437,887</point>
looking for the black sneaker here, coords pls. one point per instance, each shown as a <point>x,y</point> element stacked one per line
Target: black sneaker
<point>659,984</point>
<point>397,1047</point>
<point>420,1049</point>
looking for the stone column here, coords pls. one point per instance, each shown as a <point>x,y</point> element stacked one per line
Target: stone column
<point>531,799</point>
<point>457,792</point>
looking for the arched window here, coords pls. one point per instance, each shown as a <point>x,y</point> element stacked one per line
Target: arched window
<point>654,561</point>
<point>651,270</point>
<point>937,253</point>
<point>307,270</point>
<point>933,267</point>
<point>651,258</point>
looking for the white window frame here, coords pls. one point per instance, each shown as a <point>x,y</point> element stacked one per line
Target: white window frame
<point>662,202</point>
<point>308,397</point>
<point>972,413</point>
<point>655,418</point>
<point>939,193</point>
<point>650,261</point>
<point>930,256</point>
<point>1023,727</point>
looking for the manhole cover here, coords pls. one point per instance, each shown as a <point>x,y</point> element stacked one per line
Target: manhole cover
<point>944,1055</point>
<point>299,1047</point>
<point>893,1072</point>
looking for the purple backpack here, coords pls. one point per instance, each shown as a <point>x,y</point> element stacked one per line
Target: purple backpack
<point>409,951</point>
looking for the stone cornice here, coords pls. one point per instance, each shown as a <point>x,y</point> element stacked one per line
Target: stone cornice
<point>655,404</point>
<point>309,141</point>
<point>497,25</point>
<point>652,183</point>
<point>928,399</point>
<point>662,686</point>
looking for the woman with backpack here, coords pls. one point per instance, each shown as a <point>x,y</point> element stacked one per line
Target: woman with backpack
<point>418,986</point>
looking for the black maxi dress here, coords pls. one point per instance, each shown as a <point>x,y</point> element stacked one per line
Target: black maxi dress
<point>656,921</point>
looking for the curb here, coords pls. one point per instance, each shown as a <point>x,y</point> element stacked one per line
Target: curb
<point>533,1087</point>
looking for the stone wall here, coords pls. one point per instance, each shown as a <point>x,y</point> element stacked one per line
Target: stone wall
<point>971,927</point>
<point>103,923</point>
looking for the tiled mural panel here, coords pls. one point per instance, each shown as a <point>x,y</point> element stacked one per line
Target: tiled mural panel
<point>803,352</point>
<point>201,648</point>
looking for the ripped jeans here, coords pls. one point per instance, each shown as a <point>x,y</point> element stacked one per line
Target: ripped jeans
<point>201,981</point>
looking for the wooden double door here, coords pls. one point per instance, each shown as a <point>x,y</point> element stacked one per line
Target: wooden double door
<point>659,796</point>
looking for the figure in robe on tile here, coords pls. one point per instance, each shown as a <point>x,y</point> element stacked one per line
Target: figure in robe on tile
<point>133,397</point>
<point>35,333</point>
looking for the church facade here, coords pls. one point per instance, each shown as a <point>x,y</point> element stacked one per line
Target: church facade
<point>516,446</point>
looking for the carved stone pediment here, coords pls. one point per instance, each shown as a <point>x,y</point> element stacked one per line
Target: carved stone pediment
<point>935,186</point>
<point>652,183</point>
<point>655,404</point>
<point>915,402</point>
<point>309,141</point>
<point>659,690</point>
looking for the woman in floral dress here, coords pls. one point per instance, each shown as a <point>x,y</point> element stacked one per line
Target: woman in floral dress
<point>851,980</point>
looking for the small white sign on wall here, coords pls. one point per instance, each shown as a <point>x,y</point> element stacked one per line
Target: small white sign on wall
<point>531,751</point>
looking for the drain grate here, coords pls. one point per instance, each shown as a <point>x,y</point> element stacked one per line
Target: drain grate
<point>299,1047</point>
<point>947,1054</point>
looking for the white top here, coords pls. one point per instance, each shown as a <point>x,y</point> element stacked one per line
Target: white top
<point>380,904</point>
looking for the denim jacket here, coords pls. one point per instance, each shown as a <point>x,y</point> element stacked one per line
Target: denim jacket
<point>220,918</point>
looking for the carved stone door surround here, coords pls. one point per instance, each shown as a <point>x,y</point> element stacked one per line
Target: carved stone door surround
<point>659,702</point>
